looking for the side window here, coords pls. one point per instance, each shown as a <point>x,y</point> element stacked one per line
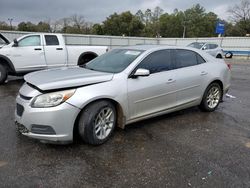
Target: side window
<point>213,46</point>
<point>157,62</point>
<point>185,58</point>
<point>51,40</point>
<point>33,40</point>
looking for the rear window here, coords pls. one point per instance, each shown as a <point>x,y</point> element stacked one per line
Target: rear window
<point>187,58</point>
<point>51,40</point>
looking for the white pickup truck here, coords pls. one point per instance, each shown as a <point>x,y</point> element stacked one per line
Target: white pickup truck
<point>42,51</point>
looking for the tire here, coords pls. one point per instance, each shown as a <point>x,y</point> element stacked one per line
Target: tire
<point>229,55</point>
<point>94,127</point>
<point>211,99</point>
<point>3,74</point>
<point>86,58</point>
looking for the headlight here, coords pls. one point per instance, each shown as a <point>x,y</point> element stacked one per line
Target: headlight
<point>51,99</point>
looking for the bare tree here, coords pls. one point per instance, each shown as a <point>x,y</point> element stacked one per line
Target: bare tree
<point>78,21</point>
<point>240,12</point>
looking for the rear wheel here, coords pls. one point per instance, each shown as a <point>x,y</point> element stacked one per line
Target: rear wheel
<point>97,122</point>
<point>86,58</point>
<point>211,98</point>
<point>3,74</point>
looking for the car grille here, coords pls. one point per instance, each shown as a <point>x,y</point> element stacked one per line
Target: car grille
<point>19,109</point>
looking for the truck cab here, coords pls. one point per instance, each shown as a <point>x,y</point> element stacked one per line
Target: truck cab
<point>42,51</point>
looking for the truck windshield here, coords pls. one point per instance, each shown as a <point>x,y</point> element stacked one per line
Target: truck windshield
<point>114,61</point>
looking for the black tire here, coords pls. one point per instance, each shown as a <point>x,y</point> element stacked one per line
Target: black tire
<point>3,74</point>
<point>87,122</point>
<point>228,55</point>
<point>86,58</point>
<point>204,106</point>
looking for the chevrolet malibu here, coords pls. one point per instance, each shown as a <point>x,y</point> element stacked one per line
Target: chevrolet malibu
<point>123,86</point>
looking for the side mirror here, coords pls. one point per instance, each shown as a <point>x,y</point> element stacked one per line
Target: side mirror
<point>204,48</point>
<point>15,43</point>
<point>141,72</point>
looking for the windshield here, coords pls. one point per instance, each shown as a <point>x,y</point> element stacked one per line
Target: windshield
<point>197,45</point>
<point>114,61</point>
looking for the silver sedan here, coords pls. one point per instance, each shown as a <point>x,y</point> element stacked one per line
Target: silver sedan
<point>120,87</point>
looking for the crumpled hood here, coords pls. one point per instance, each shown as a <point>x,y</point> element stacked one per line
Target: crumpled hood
<point>66,78</point>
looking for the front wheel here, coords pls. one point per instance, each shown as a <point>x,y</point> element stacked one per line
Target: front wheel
<point>97,122</point>
<point>211,98</point>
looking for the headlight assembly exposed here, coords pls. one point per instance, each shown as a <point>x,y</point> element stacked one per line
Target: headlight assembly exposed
<point>52,99</point>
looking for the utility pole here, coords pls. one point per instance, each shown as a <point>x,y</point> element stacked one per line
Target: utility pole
<point>184,26</point>
<point>10,20</point>
<point>184,31</point>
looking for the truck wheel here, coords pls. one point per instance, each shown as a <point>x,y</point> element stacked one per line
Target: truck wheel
<point>211,98</point>
<point>97,122</point>
<point>3,74</point>
<point>86,58</point>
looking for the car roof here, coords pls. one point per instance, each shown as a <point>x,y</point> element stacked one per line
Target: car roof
<point>204,42</point>
<point>154,47</point>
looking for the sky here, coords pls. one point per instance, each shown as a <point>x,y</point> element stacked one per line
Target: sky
<point>96,11</point>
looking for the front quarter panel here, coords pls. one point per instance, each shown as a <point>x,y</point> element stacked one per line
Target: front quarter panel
<point>115,89</point>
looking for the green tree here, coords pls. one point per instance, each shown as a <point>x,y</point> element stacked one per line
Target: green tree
<point>26,26</point>
<point>123,24</point>
<point>97,29</point>
<point>4,26</point>
<point>43,27</point>
<point>199,23</point>
<point>171,25</point>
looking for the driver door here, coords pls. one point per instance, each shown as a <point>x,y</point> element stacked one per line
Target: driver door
<point>156,92</point>
<point>28,54</point>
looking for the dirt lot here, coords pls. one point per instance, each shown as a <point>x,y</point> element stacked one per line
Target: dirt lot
<point>184,149</point>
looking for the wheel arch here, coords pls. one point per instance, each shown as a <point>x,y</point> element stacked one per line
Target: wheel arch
<point>7,63</point>
<point>119,111</point>
<point>219,82</point>
<point>85,54</point>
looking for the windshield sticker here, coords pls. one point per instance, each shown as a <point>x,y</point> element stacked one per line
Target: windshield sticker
<point>132,52</point>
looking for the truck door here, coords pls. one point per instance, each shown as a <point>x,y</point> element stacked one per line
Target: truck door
<point>55,53</point>
<point>28,54</point>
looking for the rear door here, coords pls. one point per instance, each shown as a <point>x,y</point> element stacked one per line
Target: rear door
<point>55,53</point>
<point>156,92</point>
<point>191,76</point>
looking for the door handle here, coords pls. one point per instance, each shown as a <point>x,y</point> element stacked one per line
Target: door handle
<point>170,81</point>
<point>38,49</point>
<point>203,73</point>
<point>59,48</point>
